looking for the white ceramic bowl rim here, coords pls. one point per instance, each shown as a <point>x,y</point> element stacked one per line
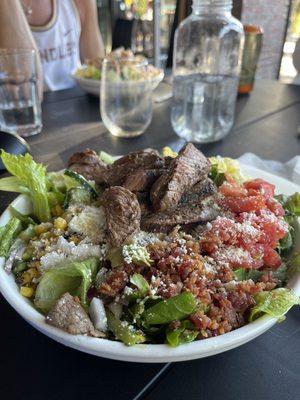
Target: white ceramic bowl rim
<point>143,352</point>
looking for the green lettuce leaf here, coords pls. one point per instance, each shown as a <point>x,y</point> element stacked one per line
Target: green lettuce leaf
<point>140,282</point>
<point>13,184</point>
<point>275,303</point>
<point>186,333</point>
<point>173,309</point>
<point>25,219</point>
<point>114,255</point>
<point>32,176</point>
<point>73,277</point>
<point>8,234</point>
<point>123,331</point>
<point>217,177</point>
<point>294,265</point>
<point>291,205</point>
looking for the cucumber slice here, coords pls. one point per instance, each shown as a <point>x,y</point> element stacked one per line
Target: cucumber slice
<point>83,182</point>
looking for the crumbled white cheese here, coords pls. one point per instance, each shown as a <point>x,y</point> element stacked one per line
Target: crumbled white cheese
<point>143,238</point>
<point>64,250</point>
<point>89,222</point>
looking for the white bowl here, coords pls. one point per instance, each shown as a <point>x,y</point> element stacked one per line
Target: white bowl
<point>144,352</point>
<point>92,86</point>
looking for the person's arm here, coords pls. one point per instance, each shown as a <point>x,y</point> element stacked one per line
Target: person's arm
<point>15,33</point>
<point>91,44</point>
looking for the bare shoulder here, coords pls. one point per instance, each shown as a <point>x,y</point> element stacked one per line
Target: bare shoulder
<point>85,8</point>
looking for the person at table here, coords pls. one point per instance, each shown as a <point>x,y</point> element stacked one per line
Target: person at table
<point>63,32</point>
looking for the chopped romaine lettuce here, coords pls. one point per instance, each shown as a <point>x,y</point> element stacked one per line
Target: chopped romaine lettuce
<point>123,331</point>
<point>114,255</point>
<point>294,265</point>
<point>13,184</point>
<point>291,205</point>
<point>217,177</point>
<point>275,303</point>
<point>186,333</point>
<point>32,176</point>
<point>8,235</point>
<point>25,219</point>
<point>286,243</point>
<point>60,182</point>
<point>226,165</point>
<point>173,309</point>
<point>106,158</point>
<point>140,282</point>
<point>73,277</point>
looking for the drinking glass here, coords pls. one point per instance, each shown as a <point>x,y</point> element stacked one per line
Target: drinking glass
<point>125,97</point>
<point>20,107</point>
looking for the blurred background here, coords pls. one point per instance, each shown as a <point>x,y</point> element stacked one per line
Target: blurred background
<point>147,27</point>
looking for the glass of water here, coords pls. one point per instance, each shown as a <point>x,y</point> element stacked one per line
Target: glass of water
<point>125,97</point>
<point>20,107</point>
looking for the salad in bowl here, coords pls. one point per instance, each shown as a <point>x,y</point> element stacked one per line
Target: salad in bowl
<point>153,248</point>
<point>88,75</point>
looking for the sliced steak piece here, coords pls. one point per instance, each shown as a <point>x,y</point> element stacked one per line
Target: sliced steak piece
<point>141,180</point>
<point>88,164</point>
<point>148,159</point>
<point>197,205</point>
<point>122,213</point>
<point>188,168</point>
<point>68,314</point>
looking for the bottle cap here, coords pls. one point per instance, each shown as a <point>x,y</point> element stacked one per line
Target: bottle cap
<point>213,3</point>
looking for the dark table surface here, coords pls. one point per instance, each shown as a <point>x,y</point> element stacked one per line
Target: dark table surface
<point>35,367</point>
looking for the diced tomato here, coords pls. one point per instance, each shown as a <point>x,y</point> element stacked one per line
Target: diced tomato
<point>271,258</point>
<point>266,189</point>
<point>274,206</point>
<point>232,190</point>
<point>256,251</point>
<point>244,204</point>
<point>236,257</point>
<point>273,228</point>
<point>222,231</point>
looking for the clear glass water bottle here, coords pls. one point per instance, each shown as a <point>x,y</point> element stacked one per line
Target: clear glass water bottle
<point>206,65</point>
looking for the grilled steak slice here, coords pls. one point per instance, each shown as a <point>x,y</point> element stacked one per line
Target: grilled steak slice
<point>198,205</point>
<point>142,180</point>
<point>123,214</point>
<point>188,168</point>
<point>68,314</point>
<point>148,159</point>
<point>88,164</point>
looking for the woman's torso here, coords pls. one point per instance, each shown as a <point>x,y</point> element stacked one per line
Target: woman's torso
<point>58,44</point>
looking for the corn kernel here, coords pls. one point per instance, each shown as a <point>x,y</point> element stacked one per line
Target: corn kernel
<point>26,291</point>
<point>57,210</point>
<point>60,223</point>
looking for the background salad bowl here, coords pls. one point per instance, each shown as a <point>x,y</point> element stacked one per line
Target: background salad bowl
<point>144,352</point>
<point>92,86</point>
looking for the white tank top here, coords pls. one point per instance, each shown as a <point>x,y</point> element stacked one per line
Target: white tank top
<point>58,44</point>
